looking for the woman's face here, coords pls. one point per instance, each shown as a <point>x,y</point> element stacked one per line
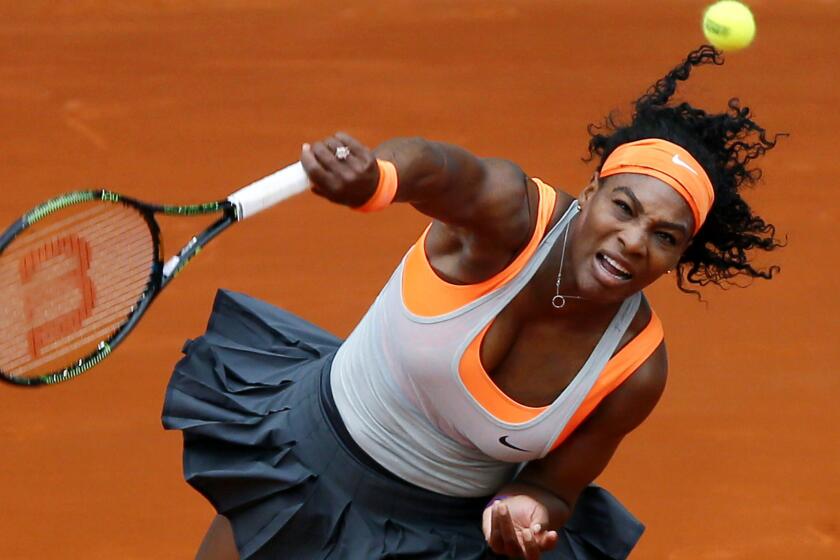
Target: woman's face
<point>631,229</point>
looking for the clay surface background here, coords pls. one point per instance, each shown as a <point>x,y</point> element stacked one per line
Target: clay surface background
<point>186,100</point>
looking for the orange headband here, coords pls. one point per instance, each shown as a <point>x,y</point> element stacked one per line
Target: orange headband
<point>669,163</point>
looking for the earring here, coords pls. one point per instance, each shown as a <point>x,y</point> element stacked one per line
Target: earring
<point>668,271</point>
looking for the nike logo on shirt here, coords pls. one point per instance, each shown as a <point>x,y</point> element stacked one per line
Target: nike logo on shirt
<point>503,441</point>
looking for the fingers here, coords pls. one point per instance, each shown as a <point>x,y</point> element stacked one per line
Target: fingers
<point>322,165</point>
<point>508,531</point>
<point>357,150</point>
<point>494,538</point>
<point>530,547</point>
<point>326,152</point>
<point>348,180</point>
<point>486,524</point>
<point>547,540</point>
<point>535,541</point>
<point>323,181</point>
<point>503,537</point>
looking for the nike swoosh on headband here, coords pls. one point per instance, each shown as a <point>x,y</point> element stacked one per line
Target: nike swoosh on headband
<point>676,159</point>
<point>503,441</point>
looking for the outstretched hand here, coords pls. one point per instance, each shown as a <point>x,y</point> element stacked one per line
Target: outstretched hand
<point>514,527</point>
<point>350,179</point>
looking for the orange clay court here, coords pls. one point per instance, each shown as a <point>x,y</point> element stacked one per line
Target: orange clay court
<point>185,101</point>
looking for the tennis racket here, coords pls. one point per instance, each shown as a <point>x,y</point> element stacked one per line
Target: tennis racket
<point>79,271</point>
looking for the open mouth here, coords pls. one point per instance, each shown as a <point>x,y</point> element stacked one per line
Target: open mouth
<point>613,267</point>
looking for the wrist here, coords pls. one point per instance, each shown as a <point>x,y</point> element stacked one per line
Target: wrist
<point>496,498</point>
<point>556,508</point>
<point>386,188</point>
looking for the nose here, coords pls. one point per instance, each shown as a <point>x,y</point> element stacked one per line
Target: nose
<point>632,238</point>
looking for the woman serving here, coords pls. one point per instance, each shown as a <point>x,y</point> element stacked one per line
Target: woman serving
<point>499,368</point>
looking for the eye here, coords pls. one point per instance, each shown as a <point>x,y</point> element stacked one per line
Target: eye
<point>624,207</point>
<point>666,238</point>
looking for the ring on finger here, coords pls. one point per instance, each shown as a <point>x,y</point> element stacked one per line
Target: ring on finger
<point>342,153</point>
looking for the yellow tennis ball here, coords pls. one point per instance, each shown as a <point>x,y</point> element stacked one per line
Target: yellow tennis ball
<point>729,25</point>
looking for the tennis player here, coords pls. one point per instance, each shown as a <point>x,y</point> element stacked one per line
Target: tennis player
<point>496,373</point>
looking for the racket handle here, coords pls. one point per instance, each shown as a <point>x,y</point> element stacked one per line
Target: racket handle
<point>270,190</point>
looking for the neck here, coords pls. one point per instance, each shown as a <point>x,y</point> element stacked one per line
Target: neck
<point>545,286</point>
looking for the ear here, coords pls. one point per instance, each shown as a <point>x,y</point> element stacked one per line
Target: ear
<point>589,190</point>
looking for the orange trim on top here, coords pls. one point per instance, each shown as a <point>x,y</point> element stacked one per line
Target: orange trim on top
<point>618,369</point>
<point>428,295</point>
<point>479,384</point>
<point>616,372</point>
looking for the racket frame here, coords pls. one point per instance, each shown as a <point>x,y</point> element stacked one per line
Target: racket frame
<point>160,273</point>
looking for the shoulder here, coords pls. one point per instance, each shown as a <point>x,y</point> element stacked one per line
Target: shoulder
<point>511,188</point>
<point>505,191</point>
<point>631,403</point>
<point>640,321</point>
<point>493,201</point>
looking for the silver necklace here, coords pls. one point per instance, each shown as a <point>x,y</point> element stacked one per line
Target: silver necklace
<point>558,301</point>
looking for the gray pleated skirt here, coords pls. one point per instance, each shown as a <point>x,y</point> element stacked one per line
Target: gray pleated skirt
<point>264,444</point>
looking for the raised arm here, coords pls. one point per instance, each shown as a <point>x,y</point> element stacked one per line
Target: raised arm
<point>480,206</point>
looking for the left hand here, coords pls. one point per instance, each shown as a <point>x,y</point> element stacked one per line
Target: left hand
<point>515,527</point>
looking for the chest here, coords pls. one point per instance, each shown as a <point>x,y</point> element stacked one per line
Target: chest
<point>532,360</point>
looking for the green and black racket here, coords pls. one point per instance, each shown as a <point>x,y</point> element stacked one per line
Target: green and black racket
<point>78,271</point>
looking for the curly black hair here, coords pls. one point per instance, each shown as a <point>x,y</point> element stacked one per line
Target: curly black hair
<point>724,144</point>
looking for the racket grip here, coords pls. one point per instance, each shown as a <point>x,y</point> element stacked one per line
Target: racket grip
<point>270,190</point>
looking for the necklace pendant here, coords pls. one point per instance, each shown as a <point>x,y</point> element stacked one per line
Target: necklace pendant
<point>558,301</point>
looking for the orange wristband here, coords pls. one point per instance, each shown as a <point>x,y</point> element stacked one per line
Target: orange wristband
<point>386,189</point>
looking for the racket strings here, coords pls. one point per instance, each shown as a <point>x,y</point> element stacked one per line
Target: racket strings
<point>100,224</point>
<point>70,282</point>
<point>110,315</point>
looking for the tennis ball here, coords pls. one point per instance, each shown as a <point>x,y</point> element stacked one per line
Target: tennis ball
<point>729,25</point>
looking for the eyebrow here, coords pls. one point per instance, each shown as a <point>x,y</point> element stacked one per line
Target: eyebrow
<point>671,225</point>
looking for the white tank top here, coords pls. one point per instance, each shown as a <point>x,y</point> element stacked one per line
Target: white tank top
<point>398,387</point>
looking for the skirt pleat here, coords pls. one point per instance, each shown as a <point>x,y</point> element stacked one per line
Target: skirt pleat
<point>260,446</point>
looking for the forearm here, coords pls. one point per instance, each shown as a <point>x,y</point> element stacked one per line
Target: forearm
<point>558,509</point>
<point>445,182</point>
<point>433,176</point>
